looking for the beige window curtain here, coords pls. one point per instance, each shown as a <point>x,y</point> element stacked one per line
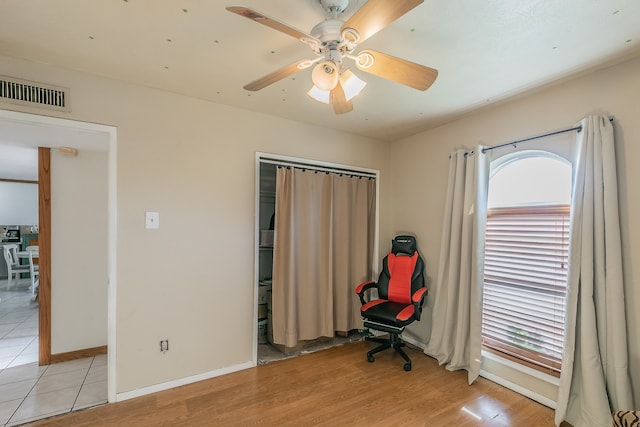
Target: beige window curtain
<point>324,235</point>
<point>457,314</point>
<point>595,368</point>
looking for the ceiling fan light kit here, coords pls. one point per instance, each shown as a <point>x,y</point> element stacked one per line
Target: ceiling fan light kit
<point>325,75</point>
<point>351,84</point>
<point>332,40</point>
<point>320,95</point>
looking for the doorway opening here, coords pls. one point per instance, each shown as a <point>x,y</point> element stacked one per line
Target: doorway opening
<point>48,132</point>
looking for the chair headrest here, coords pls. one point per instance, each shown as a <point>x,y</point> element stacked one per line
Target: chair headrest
<point>403,245</point>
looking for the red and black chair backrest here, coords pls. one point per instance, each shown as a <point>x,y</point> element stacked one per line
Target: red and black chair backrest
<point>402,271</point>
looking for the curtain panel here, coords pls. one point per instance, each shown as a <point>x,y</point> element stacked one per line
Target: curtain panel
<point>323,247</point>
<point>595,375</point>
<point>457,313</point>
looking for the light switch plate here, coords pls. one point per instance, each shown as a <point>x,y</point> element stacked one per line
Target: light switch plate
<point>152,220</point>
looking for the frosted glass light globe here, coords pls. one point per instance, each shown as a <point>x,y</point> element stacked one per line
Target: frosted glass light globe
<point>325,75</point>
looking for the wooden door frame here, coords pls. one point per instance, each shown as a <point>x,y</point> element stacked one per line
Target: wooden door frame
<point>44,242</point>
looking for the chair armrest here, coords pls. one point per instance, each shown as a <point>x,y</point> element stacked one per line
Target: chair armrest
<point>418,299</point>
<point>362,288</point>
<point>418,295</point>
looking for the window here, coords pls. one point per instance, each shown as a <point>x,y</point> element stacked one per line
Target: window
<point>526,257</point>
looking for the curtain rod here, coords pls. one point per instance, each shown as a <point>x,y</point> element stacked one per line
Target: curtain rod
<point>576,128</point>
<point>300,165</point>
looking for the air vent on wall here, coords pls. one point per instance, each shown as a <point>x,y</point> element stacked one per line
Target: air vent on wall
<point>33,94</point>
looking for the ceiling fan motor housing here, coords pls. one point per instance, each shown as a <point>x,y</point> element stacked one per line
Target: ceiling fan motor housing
<point>328,31</point>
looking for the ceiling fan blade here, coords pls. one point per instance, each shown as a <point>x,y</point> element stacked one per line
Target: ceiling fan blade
<point>374,15</point>
<point>398,70</point>
<point>278,75</point>
<point>339,100</point>
<point>273,23</point>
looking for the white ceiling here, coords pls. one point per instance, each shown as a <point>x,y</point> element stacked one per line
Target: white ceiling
<point>20,139</point>
<point>485,51</point>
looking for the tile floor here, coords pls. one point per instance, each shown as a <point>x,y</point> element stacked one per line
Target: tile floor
<point>18,326</point>
<point>29,392</point>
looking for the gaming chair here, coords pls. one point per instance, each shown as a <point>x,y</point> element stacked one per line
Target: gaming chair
<point>401,292</point>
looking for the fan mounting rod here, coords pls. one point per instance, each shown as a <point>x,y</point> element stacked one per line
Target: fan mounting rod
<point>334,7</point>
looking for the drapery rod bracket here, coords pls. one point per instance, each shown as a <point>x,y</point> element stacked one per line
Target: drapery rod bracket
<point>575,128</point>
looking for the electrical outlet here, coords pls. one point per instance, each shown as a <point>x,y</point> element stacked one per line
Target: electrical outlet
<point>164,346</point>
<point>152,220</point>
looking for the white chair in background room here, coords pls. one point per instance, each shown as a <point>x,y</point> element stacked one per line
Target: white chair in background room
<point>34,268</point>
<point>14,268</point>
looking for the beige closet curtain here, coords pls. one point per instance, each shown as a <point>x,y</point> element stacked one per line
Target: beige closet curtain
<point>324,232</point>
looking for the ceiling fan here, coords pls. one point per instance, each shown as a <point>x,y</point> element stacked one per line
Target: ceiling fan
<point>333,40</point>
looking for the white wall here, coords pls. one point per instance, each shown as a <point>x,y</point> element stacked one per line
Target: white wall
<point>78,251</point>
<point>18,203</point>
<point>422,160</point>
<point>191,281</point>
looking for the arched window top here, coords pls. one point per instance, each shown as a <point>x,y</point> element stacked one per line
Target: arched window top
<point>530,178</point>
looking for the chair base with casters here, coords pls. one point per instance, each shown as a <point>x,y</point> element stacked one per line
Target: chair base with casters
<point>401,293</point>
<point>394,341</point>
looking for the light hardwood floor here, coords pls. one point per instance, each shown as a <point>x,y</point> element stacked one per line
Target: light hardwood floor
<point>334,387</point>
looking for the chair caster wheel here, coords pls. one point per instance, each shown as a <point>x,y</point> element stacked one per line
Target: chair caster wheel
<point>407,366</point>
<point>370,359</point>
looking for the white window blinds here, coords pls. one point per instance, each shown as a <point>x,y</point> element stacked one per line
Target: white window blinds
<point>525,280</point>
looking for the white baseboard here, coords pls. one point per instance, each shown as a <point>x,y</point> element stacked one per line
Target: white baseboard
<point>413,341</point>
<point>181,381</point>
